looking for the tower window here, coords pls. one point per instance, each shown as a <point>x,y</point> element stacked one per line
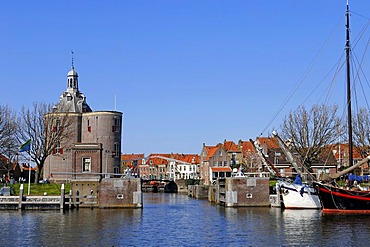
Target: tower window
<point>86,164</point>
<point>116,125</point>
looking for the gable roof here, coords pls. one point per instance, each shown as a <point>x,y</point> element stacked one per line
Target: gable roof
<point>340,151</point>
<point>247,147</point>
<point>230,146</point>
<point>188,158</point>
<point>270,142</point>
<point>152,160</point>
<point>211,150</point>
<point>130,158</point>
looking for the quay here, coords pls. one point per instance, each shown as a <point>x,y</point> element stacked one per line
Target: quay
<point>107,193</point>
<point>128,193</point>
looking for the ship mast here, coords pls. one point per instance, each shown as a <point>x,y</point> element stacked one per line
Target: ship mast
<point>349,114</point>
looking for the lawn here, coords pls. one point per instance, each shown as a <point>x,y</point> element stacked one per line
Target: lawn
<point>41,189</point>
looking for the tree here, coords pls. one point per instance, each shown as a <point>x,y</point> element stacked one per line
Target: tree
<point>46,131</point>
<point>311,131</point>
<point>361,132</point>
<point>8,133</point>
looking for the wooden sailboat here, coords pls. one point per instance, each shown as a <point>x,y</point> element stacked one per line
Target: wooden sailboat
<point>333,198</point>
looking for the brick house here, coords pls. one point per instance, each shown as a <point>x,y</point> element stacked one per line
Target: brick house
<point>214,163</point>
<point>234,153</point>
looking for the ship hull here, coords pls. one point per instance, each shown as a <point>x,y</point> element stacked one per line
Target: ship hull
<point>298,196</point>
<point>338,200</point>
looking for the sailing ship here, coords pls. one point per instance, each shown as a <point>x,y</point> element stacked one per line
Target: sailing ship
<point>290,194</point>
<point>335,199</point>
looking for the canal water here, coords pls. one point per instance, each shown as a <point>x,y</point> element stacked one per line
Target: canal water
<point>178,220</point>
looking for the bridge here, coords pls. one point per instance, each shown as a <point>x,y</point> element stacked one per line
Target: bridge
<point>159,184</point>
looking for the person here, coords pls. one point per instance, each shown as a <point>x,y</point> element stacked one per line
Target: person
<point>298,179</point>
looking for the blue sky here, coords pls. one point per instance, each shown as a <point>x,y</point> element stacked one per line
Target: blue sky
<point>183,73</point>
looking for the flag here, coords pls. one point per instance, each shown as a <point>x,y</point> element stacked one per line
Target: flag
<point>26,146</point>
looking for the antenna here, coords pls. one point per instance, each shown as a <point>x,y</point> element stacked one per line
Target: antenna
<point>115,102</point>
<point>72,57</point>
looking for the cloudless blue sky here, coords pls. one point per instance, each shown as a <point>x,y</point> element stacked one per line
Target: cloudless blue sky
<point>184,73</point>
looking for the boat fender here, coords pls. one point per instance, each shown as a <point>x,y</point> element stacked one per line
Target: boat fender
<point>286,192</point>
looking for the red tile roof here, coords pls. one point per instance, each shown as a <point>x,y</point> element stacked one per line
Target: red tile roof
<point>210,151</point>
<point>152,160</point>
<point>230,146</point>
<point>188,158</point>
<point>343,148</point>
<point>129,158</point>
<point>270,142</point>
<point>247,147</point>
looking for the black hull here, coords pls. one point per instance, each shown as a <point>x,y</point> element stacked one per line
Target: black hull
<point>334,199</point>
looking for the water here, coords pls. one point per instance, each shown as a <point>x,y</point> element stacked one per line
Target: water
<point>177,220</point>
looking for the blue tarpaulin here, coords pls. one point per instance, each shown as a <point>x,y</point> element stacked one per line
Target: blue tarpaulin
<point>353,177</point>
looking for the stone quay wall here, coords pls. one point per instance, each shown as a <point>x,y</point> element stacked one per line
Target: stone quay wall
<point>240,192</point>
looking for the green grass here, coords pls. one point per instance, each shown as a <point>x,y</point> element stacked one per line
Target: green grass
<point>39,189</point>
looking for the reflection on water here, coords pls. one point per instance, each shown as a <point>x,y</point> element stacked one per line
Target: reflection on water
<point>175,219</point>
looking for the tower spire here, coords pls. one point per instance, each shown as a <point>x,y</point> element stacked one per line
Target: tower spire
<point>72,57</point>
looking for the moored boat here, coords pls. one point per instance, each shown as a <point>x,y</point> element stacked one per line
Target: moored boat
<point>337,199</point>
<point>298,196</point>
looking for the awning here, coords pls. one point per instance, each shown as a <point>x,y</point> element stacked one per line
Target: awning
<point>221,169</point>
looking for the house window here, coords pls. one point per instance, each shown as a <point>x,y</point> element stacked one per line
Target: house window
<point>86,164</point>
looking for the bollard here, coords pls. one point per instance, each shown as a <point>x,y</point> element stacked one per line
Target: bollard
<point>62,197</point>
<point>91,199</point>
<point>77,199</point>
<point>70,199</point>
<point>20,197</point>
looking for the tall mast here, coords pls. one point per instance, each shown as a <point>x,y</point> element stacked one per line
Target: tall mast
<point>348,51</point>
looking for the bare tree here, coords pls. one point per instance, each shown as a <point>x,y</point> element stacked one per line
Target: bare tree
<point>46,131</point>
<point>361,132</point>
<point>311,131</point>
<point>8,133</point>
<point>251,161</point>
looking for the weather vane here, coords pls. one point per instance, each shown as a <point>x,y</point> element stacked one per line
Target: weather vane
<point>72,56</point>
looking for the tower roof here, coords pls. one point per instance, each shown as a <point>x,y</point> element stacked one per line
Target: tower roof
<point>72,72</point>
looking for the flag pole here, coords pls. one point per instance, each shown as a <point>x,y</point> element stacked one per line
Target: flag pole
<point>29,176</point>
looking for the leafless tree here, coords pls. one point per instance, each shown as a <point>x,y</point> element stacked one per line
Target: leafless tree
<point>361,132</point>
<point>46,131</point>
<point>311,131</point>
<point>251,161</point>
<point>8,133</point>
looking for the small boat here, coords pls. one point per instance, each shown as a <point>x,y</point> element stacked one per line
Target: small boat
<point>298,196</point>
<point>289,194</point>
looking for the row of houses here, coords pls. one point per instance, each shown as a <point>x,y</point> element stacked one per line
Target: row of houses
<point>224,159</point>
